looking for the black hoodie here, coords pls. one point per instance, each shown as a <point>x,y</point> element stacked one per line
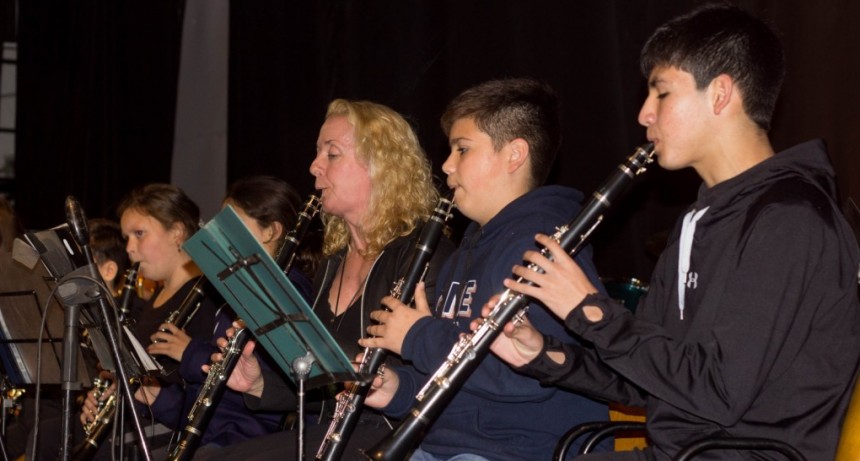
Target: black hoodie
<point>769,338</point>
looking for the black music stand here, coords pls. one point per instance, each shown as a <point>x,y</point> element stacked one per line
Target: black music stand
<point>81,291</point>
<point>271,307</point>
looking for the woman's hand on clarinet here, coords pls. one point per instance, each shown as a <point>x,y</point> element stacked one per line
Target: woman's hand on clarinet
<point>247,376</point>
<point>395,322</point>
<point>519,343</point>
<point>171,342</point>
<point>561,287</point>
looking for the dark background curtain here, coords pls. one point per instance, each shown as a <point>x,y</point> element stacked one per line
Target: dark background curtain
<point>97,91</point>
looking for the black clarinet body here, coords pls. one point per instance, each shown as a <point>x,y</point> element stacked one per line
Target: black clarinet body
<point>186,311</point>
<point>216,380</point>
<point>287,253</point>
<point>129,286</point>
<point>468,353</point>
<point>208,398</point>
<point>96,431</point>
<point>350,404</point>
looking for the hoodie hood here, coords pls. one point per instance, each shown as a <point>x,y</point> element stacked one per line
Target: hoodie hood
<point>808,161</point>
<point>558,205</point>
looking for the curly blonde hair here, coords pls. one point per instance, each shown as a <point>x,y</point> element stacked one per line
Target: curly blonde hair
<point>402,191</point>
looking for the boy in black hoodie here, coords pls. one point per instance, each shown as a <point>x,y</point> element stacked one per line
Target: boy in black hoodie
<point>750,327</point>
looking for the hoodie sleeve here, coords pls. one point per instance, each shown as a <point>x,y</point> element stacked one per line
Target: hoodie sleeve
<point>167,407</point>
<point>781,287</point>
<point>199,351</point>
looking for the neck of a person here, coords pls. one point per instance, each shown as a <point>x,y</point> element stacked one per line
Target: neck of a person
<point>183,273</point>
<point>733,153</point>
<point>515,186</point>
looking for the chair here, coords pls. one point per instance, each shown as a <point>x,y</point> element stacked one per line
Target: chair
<point>849,440</point>
<point>597,431</point>
<point>848,449</point>
<point>738,443</point>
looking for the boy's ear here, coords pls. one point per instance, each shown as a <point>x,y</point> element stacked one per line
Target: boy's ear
<point>518,153</point>
<point>723,91</point>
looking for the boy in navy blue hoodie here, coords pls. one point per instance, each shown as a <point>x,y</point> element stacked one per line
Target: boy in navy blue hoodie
<point>504,136</point>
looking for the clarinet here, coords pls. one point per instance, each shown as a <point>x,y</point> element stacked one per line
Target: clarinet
<point>351,403</point>
<point>96,430</point>
<point>99,428</point>
<point>208,397</point>
<point>128,289</point>
<point>287,253</point>
<point>216,380</point>
<point>468,353</point>
<point>186,311</point>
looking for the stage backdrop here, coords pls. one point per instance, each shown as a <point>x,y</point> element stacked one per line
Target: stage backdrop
<point>98,91</point>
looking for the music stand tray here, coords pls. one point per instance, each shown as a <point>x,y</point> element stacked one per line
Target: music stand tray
<point>265,299</point>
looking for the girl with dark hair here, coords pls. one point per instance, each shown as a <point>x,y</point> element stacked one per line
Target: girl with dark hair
<point>157,219</point>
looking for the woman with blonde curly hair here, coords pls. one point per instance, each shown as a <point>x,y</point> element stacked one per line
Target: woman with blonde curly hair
<point>402,193</point>
<point>376,192</point>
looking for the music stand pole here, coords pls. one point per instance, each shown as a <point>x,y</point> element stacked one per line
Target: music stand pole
<point>301,368</point>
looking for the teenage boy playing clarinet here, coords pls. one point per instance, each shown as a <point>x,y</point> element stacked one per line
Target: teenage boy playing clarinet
<point>751,326</point>
<point>504,136</point>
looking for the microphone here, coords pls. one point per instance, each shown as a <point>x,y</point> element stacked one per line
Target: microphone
<point>77,221</point>
<point>72,289</point>
<point>76,293</point>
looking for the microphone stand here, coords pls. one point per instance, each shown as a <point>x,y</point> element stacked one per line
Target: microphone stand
<point>70,383</point>
<point>77,224</point>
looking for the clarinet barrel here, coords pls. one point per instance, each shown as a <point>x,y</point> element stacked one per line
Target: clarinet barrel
<point>128,291</point>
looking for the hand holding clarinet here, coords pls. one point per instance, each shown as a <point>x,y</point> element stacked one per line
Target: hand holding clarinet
<point>560,287</point>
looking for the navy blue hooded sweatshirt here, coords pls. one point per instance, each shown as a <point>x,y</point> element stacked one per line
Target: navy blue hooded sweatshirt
<point>498,414</point>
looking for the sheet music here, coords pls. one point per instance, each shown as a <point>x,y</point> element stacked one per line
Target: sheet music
<point>146,360</point>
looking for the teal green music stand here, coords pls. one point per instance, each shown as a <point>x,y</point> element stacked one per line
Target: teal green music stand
<point>264,298</point>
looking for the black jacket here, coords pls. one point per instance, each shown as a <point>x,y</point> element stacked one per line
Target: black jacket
<point>769,339</point>
<point>389,266</point>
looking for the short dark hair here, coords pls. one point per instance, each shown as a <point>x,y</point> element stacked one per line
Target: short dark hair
<point>513,108</point>
<point>719,39</point>
<point>166,203</point>
<point>107,244</point>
